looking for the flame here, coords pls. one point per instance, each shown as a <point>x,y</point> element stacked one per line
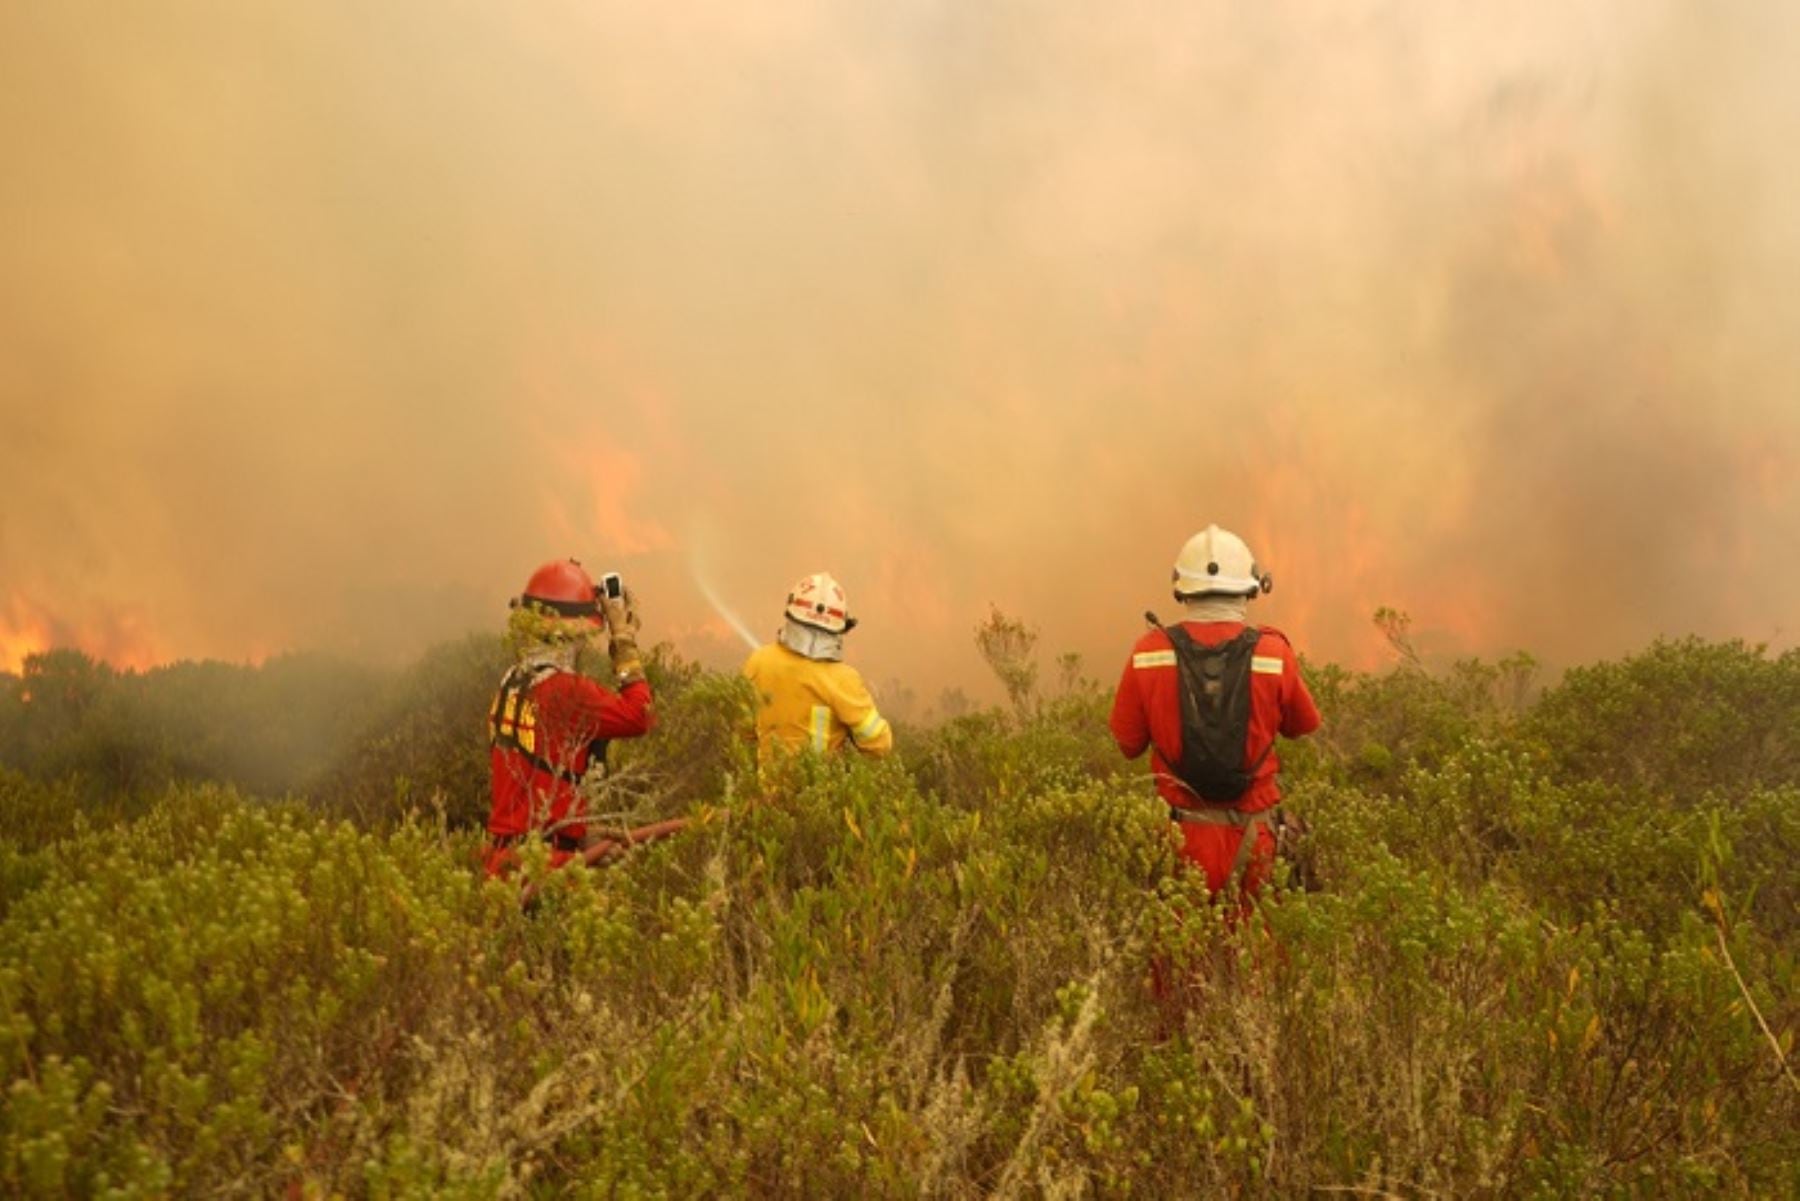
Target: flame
<point>118,638</point>
<point>122,641</point>
<point>1342,543</point>
<point>591,494</point>
<point>1336,559</point>
<point>1330,567</point>
<point>607,480</point>
<point>23,632</point>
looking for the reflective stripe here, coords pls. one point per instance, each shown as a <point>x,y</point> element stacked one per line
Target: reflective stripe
<point>821,726</point>
<point>515,721</point>
<point>869,727</point>
<point>1153,659</point>
<point>1265,665</point>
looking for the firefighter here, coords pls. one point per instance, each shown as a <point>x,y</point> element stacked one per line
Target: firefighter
<point>1208,696</point>
<point>548,723</point>
<point>807,697</point>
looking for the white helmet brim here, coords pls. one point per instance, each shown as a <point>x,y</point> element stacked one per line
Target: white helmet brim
<point>1216,585</point>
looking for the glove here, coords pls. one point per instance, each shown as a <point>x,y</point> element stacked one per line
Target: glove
<point>627,663</point>
<point>621,615</point>
<point>631,612</point>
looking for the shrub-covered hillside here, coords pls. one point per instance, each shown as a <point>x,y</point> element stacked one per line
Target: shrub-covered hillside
<point>1551,952</point>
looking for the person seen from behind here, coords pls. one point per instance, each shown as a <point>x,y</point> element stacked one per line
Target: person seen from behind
<point>1208,696</point>
<point>549,725</point>
<point>807,697</point>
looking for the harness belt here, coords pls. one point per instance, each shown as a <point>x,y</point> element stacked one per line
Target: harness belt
<point>1247,822</point>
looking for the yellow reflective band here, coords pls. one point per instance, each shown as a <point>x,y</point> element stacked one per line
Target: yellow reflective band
<point>821,726</point>
<point>1153,659</point>
<point>1265,665</point>
<point>869,727</point>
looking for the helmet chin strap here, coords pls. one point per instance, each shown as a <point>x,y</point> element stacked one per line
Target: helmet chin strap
<point>810,642</point>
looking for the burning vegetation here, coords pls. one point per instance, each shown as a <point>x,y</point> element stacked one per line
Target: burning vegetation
<point>316,325</point>
<point>1485,314</point>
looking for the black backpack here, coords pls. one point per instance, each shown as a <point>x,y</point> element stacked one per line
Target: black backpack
<point>1215,713</point>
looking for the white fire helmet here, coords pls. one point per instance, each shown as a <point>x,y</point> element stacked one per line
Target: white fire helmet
<point>818,601</point>
<point>1216,562</point>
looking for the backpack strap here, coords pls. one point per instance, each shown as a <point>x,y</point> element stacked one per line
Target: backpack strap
<point>1242,860</point>
<point>1255,634</point>
<point>1252,769</point>
<point>509,710</point>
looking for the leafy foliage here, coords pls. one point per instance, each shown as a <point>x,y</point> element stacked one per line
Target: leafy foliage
<point>1550,935</point>
<point>1006,645</point>
<point>270,729</point>
<point>426,747</point>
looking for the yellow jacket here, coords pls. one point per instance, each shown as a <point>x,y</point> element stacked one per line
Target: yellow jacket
<point>806,703</point>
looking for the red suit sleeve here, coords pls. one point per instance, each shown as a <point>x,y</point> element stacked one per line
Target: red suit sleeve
<point>1130,725</point>
<point>1299,715</point>
<point>596,711</point>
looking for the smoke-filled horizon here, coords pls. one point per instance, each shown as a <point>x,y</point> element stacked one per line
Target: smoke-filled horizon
<point>322,325</point>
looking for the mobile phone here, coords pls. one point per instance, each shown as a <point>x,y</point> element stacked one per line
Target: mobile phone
<point>612,585</point>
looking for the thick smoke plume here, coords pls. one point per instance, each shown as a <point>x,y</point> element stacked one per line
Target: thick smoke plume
<point>322,324</point>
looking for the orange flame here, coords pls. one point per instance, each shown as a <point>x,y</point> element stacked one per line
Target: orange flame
<point>119,639</point>
<point>590,495</point>
<point>23,632</point>
<point>591,499</point>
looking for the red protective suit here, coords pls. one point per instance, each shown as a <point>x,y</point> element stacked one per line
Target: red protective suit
<point>541,731</point>
<point>1147,713</point>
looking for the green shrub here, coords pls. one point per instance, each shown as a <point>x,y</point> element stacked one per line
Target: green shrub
<point>425,748</point>
<point>269,729</point>
<point>975,968</point>
<point>1681,720</point>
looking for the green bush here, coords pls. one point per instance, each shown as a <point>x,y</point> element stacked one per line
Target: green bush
<point>269,729</point>
<point>1681,720</point>
<point>975,968</point>
<point>425,751</point>
<point>425,747</point>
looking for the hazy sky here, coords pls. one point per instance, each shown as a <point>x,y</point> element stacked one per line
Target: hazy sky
<point>323,323</point>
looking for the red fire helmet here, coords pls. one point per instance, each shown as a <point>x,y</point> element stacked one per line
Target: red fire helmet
<point>563,588</point>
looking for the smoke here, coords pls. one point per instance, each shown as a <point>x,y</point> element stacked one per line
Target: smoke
<point>322,325</point>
